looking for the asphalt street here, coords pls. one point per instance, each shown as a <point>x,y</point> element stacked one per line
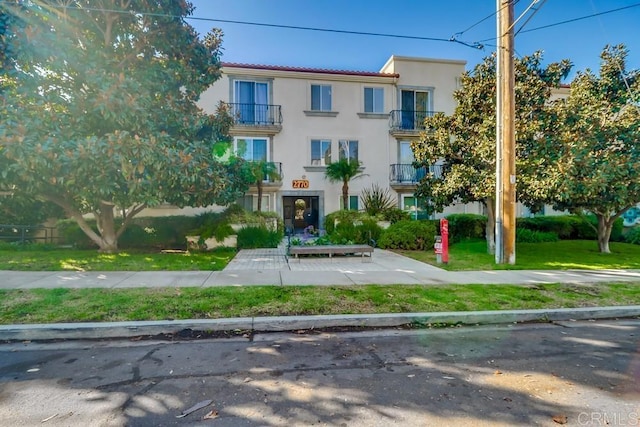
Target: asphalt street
<point>565,373</point>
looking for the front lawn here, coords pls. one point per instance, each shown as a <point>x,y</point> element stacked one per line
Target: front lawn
<point>90,260</point>
<point>108,305</point>
<point>561,255</point>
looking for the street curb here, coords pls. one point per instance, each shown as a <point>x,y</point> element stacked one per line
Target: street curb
<point>59,331</point>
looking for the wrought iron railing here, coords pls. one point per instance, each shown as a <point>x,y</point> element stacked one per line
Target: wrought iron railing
<point>408,120</point>
<point>408,174</point>
<point>275,167</point>
<point>256,114</point>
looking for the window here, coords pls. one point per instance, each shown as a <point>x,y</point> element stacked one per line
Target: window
<point>250,202</point>
<point>415,206</point>
<point>373,100</point>
<point>320,152</point>
<point>415,107</point>
<point>320,97</point>
<point>251,102</point>
<point>348,149</point>
<point>253,149</point>
<point>353,203</point>
<point>406,153</point>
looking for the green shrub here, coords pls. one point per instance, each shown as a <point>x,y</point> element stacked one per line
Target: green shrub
<point>574,227</point>
<point>258,237</point>
<point>466,226</point>
<point>352,227</point>
<point>71,234</point>
<point>342,216</point>
<point>524,235</point>
<point>377,200</point>
<point>410,235</point>
<point>144,232</point>
<point>394,215</point>
<point>564,226</point>
<point>633,236</point>
<point>17,246</point>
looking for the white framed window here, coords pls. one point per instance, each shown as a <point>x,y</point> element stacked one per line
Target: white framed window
<point>253,149</point>
<point>374,100</point>
<point>320,97</point>
<point>348,149</point>
<point>354,203</point>
<point>415,206</point>
<point>320,152</point>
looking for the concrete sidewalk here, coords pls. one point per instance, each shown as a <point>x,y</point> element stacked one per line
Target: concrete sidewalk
<point>273,267</point>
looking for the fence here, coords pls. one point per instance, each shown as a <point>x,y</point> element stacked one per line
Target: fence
<point>27,233</point>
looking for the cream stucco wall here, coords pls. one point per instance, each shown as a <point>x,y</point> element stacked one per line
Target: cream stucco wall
<point>290,144</point>
<point>378,147</point>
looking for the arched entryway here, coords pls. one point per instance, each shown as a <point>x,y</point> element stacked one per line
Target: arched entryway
<point>301,211</point>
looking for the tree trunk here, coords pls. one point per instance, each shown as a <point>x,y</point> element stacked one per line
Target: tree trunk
<point>345,195</point>
<point>605,224</point>
<point>259,188</point>
<point>108,240</point>
<point>490,230</point>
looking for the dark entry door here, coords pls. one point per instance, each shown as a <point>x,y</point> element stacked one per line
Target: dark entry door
<point>300,212</point>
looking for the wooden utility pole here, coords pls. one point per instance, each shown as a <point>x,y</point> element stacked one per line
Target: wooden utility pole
<point>506,140</point>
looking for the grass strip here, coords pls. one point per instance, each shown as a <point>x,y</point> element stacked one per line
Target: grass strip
<point>92,260</point>
<point>561,255</point>
<point>105,305</point>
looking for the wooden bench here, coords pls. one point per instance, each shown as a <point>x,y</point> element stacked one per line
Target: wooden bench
<point>331,250</point>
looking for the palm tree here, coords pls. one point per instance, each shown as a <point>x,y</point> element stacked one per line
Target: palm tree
<point>260,171</point>
<point>344,170</point>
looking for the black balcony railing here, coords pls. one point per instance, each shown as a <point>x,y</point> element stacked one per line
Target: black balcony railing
<point>408,120</point>
<point>408,174</point>
<point>256,114</point>
<point>277,168</point>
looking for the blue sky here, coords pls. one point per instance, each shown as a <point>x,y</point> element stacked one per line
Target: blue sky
<point>580,41</point>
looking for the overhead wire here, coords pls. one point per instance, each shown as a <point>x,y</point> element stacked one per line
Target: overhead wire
<point>580,18</point>
<point>453,39</point>
<point>477,44</point>
<point>269,25</point>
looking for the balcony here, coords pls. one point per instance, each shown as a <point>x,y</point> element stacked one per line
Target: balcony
<point>406,175</point>
<point>268,182</point>
<point>256,118</point>
<point>408,122</point>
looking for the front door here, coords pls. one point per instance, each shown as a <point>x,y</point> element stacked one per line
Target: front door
<point>300,212</point>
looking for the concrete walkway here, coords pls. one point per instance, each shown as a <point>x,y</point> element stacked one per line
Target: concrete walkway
<point>273,267</point>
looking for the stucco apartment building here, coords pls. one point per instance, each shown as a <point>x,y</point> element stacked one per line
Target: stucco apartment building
<point>301,119</point>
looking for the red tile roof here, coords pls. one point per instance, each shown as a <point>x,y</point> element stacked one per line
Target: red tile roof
<point>308,70</point>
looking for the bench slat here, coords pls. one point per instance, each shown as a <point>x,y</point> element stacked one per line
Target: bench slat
<point>330,250</point>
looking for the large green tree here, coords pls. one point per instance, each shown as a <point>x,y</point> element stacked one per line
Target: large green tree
<point>595,139</point>
<point>99,110</point>
<point>465,142</point>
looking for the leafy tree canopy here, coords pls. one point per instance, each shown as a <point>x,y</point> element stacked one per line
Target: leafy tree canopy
<point>595,139</point>
<point>99,109</point>
<point>465,142</point>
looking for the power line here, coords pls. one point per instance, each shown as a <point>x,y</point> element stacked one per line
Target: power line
<point>280,26</point>
<point>535,10</point>
<point>593,15</point>
<point>459,33</point>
